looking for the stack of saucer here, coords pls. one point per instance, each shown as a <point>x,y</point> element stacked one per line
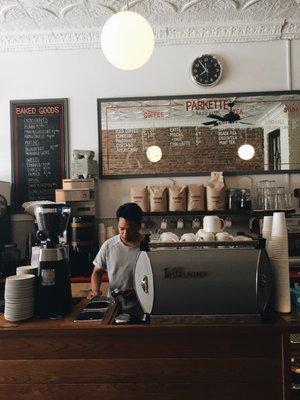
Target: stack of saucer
<point>27,269</point>
<point>278,252</point>
<point>19,297</point>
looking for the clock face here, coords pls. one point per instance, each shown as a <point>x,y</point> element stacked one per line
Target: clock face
<point>206,70</point>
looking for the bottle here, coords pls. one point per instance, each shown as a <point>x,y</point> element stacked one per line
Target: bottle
<point>233,199</point>
<point>245,200</point>
<point>11,257</point>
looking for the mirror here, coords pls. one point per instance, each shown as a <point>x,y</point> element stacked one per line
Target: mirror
<point>199,134</point>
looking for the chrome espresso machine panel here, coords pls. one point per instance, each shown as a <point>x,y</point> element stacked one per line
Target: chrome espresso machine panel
<point>203,281</point>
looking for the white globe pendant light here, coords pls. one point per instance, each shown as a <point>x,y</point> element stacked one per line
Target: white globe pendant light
<point>154,153</point>
<point>127,40</point>
<point>246,152</point>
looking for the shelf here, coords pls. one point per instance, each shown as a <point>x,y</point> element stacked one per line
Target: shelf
<point>216,244</point>
<point>253,213</point>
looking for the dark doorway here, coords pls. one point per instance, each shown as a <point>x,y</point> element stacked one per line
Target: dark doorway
<point>274,150</point>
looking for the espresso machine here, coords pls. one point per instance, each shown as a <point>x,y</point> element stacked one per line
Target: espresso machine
<point>54,296</point>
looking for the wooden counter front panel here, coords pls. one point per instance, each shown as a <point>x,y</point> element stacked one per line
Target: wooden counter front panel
<point>140,364</point>
<point>138,391</point>
<point>60,344</point>
<point>195,370</point>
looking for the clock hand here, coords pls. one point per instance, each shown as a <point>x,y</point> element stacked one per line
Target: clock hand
<point>205,68</point>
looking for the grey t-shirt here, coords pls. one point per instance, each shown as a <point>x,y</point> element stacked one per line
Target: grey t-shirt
<point>119,261</point>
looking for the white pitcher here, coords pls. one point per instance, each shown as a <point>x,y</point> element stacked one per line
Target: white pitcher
<point>212,223</point>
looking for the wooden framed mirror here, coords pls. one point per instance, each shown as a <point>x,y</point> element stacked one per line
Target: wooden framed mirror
<point>198,134</point>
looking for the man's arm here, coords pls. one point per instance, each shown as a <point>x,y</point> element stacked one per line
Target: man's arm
<point>96,280</point>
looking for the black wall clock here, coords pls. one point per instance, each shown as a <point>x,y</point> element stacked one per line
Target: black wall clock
<point>206,70</point>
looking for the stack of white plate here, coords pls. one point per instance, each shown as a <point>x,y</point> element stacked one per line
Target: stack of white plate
<point>27,269</point>
<point>277,248</point>
<point>19,297</point>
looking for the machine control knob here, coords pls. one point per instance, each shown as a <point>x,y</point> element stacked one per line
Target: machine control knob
<point>262,279</point>
<point>41,236</point>
<point>144,284</point>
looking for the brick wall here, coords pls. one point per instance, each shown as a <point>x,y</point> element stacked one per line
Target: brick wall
<point>185,150</point>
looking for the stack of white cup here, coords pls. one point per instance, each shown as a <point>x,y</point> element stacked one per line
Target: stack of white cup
<point>277,249</point>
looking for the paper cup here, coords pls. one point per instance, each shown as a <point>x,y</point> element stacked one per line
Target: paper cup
<point>267,223</point>
<point>27,269</point>
<point>267,234</point>
<point>101,227</point>
<point>279,228</point>
<point>282,299</point>
<point>277,249</point>
<point>267,227</point>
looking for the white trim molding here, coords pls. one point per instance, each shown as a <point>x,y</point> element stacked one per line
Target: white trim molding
<point>76,24</point>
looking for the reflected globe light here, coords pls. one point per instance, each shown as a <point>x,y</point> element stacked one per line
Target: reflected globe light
<point>154,153</point>
<point>127,40</point>
<point>246,152</point>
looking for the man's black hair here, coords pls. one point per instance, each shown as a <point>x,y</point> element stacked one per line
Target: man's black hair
<point>131,212</point>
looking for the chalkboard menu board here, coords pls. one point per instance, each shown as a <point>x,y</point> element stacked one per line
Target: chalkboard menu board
<point>199,134</point>
<point>39,143</point>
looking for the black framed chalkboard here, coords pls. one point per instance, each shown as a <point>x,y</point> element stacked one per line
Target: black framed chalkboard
<point>198,134</point>
<point>39,148</point>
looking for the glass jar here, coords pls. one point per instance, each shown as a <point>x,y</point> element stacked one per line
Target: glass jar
<point>11,257</point>
<point>233,199</point>
<point>245,200</point>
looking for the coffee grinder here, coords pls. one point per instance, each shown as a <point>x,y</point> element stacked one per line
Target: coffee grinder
<point>54,296</point>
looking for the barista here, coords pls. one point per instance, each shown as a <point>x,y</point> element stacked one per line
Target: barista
<point>117,256</point>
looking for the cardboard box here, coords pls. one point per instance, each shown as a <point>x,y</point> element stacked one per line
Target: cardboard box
<point>79,184</point>
<point>82,208</point>
<point>65,195</point>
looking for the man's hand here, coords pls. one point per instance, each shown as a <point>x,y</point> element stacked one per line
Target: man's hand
<point>92,294</point>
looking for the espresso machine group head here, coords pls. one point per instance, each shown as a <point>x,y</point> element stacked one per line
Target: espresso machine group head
<point>54,289</point>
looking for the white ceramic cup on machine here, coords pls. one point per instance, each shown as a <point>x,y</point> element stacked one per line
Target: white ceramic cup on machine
<point>212,223</point>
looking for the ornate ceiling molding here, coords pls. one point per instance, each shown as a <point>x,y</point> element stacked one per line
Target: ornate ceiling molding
<point>77,24</point>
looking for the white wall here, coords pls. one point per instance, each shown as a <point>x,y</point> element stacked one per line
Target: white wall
<point>84,75</point>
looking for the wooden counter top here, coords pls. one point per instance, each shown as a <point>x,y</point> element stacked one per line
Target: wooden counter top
<point>285,323</point>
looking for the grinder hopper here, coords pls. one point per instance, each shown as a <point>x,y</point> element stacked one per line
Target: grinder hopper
<point>52,220</point>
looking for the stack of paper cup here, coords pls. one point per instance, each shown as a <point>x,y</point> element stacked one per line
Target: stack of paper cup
<point>267,227</point>
<point>27,269</point>
<point>278,253</point>
<point>101,233</point>
<point>19,297</point>
<point>267,231</point>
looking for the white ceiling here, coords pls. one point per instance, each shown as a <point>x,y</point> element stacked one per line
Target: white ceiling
<point>69,24</point>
